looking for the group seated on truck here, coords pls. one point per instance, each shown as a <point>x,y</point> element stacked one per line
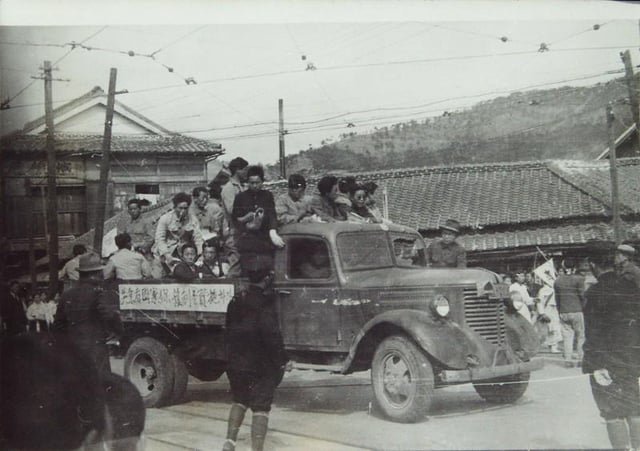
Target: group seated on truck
<point>210,266</point>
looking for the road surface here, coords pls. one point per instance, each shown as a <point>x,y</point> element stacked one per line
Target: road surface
<point>319,411</point>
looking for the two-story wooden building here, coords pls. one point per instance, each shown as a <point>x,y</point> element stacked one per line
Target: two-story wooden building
<point>147,161</point>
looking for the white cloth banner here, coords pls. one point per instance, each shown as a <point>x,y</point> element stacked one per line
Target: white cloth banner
<point>176,297</point>
<point>546,272</point>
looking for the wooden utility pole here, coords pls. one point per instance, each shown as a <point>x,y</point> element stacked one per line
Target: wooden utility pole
<point>105,164</point>
<point>632,87</point>
<point>615,206</point>
<point>283,166</point>
<point>52,197</point>
<point>29,226</point>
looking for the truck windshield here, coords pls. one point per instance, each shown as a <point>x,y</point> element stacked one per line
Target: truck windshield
<point>405,249</point>
<point>364,250</point>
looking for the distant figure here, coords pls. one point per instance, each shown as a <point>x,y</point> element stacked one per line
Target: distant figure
<point>211,265</point>
<point>293,206</point>
<point>125,264</point>
<point>186,270</point>
<point>519,287</point>
<point>70,270</point>
<point>569,289</point>
<point>317,265</point>
<point>612,347</point>
<point>625,266</point>
<point>176,228</point>
<point>88,314</point>
<point>256,356</point>
<point>324,204</point>
<point>209,213</point>
<point>360,211</point>
<point>238,168</point>
<point>13,311</point>
<point>37,313</point>
<point>58,400</point>
<point>446,252</point>
<point>141,230</point>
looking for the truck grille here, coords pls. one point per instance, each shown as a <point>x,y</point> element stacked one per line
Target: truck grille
<point>484,316</point>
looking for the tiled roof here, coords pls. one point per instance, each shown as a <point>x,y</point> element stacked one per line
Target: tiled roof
<point>594,178</point>
<point>119,143</point>
<point>559,235</point>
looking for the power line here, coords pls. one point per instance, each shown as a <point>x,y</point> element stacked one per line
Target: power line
<point>175,41</point>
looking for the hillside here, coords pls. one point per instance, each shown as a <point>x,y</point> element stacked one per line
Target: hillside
<point>561,123</point>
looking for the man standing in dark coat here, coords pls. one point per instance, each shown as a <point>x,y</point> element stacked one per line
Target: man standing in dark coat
<point>88,313</point>
<point>13,311</point>
<point>612,348</point>
<point>256,356</point>
<point>625,267</point>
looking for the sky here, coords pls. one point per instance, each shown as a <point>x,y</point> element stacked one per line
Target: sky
<point>339,67</point>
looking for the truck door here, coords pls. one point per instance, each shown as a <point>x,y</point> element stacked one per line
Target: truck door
<point>306,286</point>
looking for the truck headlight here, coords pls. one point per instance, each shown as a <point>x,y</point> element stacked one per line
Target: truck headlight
<point>440,306</point>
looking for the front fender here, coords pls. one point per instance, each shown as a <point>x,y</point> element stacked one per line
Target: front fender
<point>521,335</point>
<point>444,340</point>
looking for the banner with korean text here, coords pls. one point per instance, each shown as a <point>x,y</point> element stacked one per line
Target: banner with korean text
<point>176,297</point>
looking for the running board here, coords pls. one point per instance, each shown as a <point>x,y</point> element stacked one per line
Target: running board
<point>315,367</point>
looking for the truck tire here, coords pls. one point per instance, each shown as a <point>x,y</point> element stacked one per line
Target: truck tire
<point>206,370</point>
<point>149,366</point>
<point>180,379</point>
<point>402,379</point>
<point>503,390</point>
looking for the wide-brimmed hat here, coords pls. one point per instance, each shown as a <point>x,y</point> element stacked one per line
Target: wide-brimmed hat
<point>90,262</point>
<point>626,249</point>
<point>451,225</point>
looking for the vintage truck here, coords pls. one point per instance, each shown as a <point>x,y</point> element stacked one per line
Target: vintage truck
<point>349,299</point>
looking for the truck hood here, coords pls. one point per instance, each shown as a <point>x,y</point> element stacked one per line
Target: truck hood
<point>418,277</point>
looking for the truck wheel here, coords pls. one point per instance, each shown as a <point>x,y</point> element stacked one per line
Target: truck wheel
<point>206,370</point>
<point>504,389</point>
<point>180,379</point>
<point>149,366</point>
<point>402,379</point>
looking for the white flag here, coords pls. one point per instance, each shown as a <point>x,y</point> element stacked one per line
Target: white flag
<point>546,272</point>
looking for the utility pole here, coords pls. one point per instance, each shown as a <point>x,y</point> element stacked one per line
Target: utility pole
<point>633,91</point>
<point>282,132</point>
<point>29,226</point>
<point>617,228</point>
<point>105,164</point>
<point>52,201</point>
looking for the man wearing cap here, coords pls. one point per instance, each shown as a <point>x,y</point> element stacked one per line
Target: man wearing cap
<point>294,206</point>
<point>446,252</point>
<point>612,347</point>
<point>625,266</point>
<point>88,313</point>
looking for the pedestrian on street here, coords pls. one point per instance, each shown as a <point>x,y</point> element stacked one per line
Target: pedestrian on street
<point>625,266</point>
<point>447,252</point>
<point>518,286</point>
<point>13,310</point>
<point>256,355</point>
<point>612,348</point>
<point>569,289</point>
<point>88,313</point>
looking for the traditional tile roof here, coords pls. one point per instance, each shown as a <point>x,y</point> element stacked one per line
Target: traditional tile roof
<point>594,178</point>
<point>77,143</point>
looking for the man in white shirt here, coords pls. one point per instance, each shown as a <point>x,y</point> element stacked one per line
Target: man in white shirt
<point>126,264</point>
<point>520,287</point>
<point>70,270</point>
